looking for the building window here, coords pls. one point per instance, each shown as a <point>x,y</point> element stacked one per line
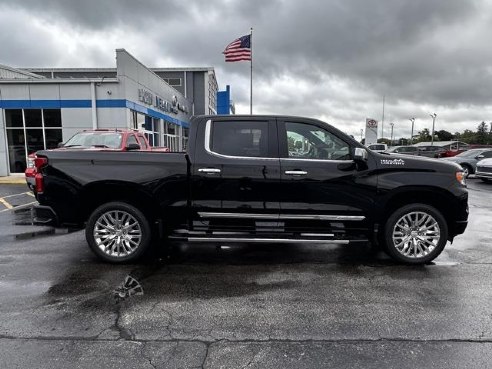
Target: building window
<point>52,117</point>
<point>28,131</point>
<point>173,81</point>
<point>171,136</point>
<point>186,134</point>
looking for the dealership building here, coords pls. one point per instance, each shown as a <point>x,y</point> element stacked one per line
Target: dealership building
<point>40,107</point>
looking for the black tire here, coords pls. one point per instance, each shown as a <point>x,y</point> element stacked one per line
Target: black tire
<point>432,250</point>
<point>467,169</point>
<point>131,241</point>
<point>486,180</point>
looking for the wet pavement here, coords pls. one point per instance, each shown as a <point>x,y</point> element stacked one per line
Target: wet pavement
<point>236,306</point>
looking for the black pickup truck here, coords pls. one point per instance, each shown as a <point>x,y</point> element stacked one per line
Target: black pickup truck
<point>255,179</point>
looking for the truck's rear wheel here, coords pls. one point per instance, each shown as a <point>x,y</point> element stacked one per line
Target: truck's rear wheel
<point>118,232</point>
<point>415,234</point>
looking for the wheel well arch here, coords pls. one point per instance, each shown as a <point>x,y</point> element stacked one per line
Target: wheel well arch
<point>96,194</point>
<point>469,166</point>
<point>435,197</point>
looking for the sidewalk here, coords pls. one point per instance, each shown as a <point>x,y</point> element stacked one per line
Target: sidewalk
<point>13,180</point>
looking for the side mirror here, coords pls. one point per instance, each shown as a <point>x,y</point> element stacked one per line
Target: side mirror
<point>360,154</point>
<point>60,144</point>
<point>132,147</point>
<point>480,157</point>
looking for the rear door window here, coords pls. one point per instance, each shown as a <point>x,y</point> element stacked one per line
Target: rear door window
<point>240,139</point>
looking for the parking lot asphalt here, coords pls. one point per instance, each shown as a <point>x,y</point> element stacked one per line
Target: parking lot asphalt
<point>237,306</point>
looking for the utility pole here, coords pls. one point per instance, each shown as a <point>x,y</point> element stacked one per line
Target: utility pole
<point>361,133</point>
<point>382,121</point>
<point>411,136</point>
<point>433,123</point>
<point>391,141</point>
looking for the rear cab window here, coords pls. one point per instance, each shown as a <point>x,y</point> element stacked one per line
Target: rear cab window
<point>131,140</point>
<point>143,144</point>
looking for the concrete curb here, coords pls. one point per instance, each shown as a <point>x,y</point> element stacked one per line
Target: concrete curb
<point>12,180</point>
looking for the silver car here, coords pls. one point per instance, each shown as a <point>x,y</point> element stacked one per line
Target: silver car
<point>406,150</point>
<point>469,159</point>
<point>484,170</point>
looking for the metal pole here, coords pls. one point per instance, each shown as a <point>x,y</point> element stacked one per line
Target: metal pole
<point>411,135</point>
<point>382,121</point>
<point>391,141</point>
<point>251,75</point>
<point>361,133</point>
<point>433,122</point>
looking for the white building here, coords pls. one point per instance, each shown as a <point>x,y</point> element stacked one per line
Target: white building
<point>44,106</point>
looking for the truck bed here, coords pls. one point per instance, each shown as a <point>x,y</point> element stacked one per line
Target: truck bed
<point>80,177</point>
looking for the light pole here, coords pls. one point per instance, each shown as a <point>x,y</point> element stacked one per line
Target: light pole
<point>391,140</point>
<point>411,136</point>
<point>433,122</point>
<point>361,133</point>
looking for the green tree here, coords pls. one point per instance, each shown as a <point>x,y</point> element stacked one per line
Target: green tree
<point>424,136</point>
<point>444,135</point>
<point>403,141</point>
<point>468,136</point>
<point>481,136</point>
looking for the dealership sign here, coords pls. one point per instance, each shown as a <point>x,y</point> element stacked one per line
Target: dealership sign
<point>161,104</point>
<point>371,131</point>
<point>371,123</point>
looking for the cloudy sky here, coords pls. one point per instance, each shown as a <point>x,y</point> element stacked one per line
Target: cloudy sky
<point>331,59</point>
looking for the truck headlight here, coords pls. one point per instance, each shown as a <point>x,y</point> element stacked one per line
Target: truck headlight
<point>460,177</point>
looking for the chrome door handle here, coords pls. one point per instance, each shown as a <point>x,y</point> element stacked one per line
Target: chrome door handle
<point>296,172</point>
<point>209,170</point>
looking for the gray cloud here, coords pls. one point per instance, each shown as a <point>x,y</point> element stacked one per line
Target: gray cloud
<point>333,59</point>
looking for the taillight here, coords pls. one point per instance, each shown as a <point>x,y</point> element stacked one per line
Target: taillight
<point>38,177</point>
<point>40,162</point>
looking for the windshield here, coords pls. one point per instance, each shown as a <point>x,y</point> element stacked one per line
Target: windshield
<point>110,140</point>
<point>470,153</point>
<point>377,147</point>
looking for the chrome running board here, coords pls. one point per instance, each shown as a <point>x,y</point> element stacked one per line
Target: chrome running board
<point>265,240</point>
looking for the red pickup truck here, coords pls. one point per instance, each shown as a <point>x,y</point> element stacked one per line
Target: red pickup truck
<point>99,140</point>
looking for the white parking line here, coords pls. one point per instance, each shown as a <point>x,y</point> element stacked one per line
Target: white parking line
<point>6,204</point>
<point>17,194</point>
<point>9,206</point>
<point>16,207</point>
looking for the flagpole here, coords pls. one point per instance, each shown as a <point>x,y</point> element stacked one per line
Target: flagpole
<point>251,74</point>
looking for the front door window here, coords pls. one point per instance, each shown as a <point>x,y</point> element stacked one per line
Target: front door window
<point>306,141</point>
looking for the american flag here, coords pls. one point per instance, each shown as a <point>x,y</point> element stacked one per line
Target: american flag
<point>239,49</point>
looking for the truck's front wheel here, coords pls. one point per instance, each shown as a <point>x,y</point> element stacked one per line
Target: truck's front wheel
<point>415,234</point>
<point>118,232</point>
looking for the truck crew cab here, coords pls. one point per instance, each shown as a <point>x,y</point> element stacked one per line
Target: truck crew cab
<point>264,179</point>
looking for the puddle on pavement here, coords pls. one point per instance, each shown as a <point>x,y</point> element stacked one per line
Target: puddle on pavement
<point>24,227</point>
<point>130,287</point>
<point>23,216</point>
<point>443,263</point>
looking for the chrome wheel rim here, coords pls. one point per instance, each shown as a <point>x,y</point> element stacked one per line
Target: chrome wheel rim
<point>416,234</point>
<point>466,172</point>
<point>117,233</point>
